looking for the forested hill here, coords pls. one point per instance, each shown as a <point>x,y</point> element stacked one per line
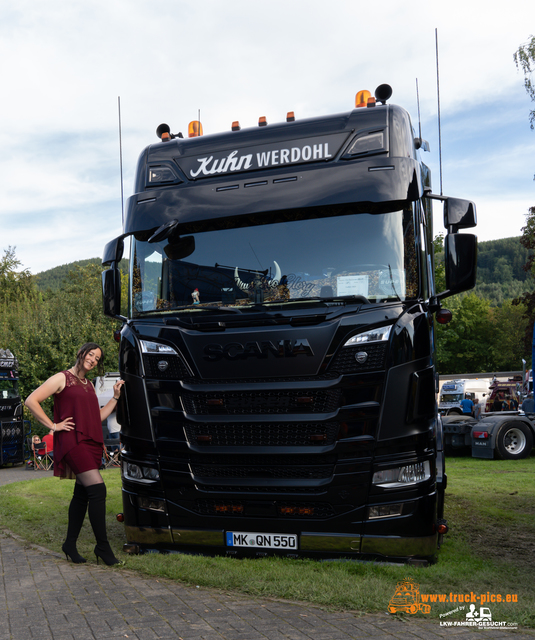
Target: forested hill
<point>501,260</point>
<point>500,275</point>
<point>53,279</point>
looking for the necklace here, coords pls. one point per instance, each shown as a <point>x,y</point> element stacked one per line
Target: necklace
<point>82,380</point>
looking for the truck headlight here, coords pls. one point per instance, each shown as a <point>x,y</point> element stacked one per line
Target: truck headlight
<point>381,334</point>
<point>402,476</point>
<point>139,473</point>
<point>156,348</point>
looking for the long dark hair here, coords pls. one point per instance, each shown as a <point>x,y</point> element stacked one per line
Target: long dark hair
<point>84,350</point>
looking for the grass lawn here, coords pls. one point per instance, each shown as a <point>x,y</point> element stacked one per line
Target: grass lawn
<point>490,507</point>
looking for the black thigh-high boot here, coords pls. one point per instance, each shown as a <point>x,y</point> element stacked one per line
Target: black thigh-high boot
<point>97,516</point>
<point>77,511</point>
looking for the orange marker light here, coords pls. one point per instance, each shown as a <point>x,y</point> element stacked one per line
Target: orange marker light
<point>371,102</point>
<point>290,116</point>
<point>236,125</point>
<point>361,99</point>
<point>262,121</point>
<point>194,129</point>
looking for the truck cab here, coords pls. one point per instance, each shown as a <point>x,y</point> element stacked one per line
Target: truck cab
<point>278,341</point>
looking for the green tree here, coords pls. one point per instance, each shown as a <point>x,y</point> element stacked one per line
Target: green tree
<point>525,59</point>
<point>464,345</point>
<point>527,300</point>
<point>14,284</point>
<point>440,268</point>
<point>46,332</point>
<point>508,328</point>
<point>503,271</point>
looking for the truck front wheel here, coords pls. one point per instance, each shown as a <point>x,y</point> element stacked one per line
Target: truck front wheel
<point>514,441</point>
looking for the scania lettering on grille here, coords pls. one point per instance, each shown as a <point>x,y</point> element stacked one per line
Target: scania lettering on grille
<point>263,349</point>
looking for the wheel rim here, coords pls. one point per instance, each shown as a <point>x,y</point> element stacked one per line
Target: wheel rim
<point>514,441</point>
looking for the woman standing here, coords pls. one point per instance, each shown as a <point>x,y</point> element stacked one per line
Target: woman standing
<point>78,445</point>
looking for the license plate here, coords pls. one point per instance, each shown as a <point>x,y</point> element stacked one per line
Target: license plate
<point>261,540</point>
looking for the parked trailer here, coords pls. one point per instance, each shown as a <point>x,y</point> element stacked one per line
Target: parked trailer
<point>507,435</point>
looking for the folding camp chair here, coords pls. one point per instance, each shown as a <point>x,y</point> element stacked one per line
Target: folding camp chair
<point>112,453</point>
<point>42,460</point>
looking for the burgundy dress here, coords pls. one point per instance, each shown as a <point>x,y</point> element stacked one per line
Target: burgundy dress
<point>78,450</point>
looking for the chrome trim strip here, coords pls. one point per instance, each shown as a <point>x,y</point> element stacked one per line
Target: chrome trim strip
<point>398,546</point>
<point>318,542</point>
<point>148,535</point>
<point>337,542</point>
<point>198,537</point>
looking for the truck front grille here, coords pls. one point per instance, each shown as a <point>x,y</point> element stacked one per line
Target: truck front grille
<point>261,402</point>
<point>225,489</point>
<point>254,434</point>
<point>256,472</point>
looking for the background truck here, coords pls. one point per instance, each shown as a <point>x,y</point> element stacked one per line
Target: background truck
<point>11,413</point>
<point>505,435</point>
<point>503,431</point>
<point>453,391</point>
<point>278,344</point>
<point>505,395</point>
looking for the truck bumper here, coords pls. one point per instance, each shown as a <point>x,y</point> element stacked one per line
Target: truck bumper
<point>310,544</point>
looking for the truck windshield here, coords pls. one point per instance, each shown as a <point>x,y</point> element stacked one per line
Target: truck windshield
<point>246,263</point>
<point>451,397</point>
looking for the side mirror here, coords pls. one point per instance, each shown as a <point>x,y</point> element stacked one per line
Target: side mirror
<point>113,251</point>
<point>459,214</point>
<point>111,292</point>
<point>460,256</point>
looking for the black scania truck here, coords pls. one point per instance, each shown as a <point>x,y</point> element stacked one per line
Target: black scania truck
<point>278,346</point>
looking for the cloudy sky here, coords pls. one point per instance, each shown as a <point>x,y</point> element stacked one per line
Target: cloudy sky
<point>64,65</point>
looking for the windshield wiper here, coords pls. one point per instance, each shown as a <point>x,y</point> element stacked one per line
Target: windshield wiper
<point>190,307</point>
<point>358,299</point>
<point>207,308</point>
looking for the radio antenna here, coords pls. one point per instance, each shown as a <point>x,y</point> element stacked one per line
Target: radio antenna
<point>418,103</point>
<point>438,102</point>
<point>121,159</point>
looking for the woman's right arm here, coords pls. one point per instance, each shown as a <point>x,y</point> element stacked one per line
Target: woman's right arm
<point>53,385</point>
